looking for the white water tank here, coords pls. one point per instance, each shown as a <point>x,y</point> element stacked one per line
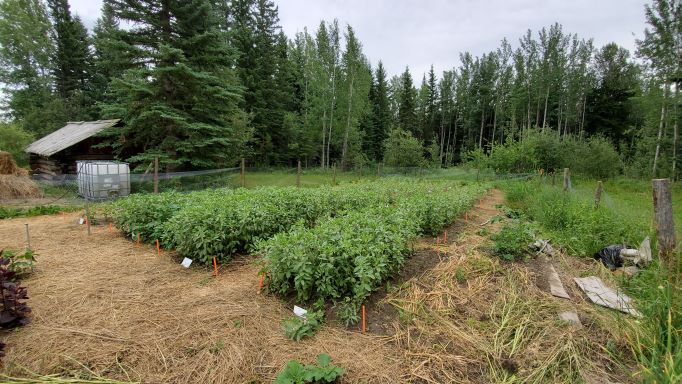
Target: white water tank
<point>103,180</point>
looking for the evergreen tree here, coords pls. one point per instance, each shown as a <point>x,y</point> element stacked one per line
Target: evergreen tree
<point>381,113</point>
<point>407,119</point>
<point>111,56</point>
<point>71,62</point>
<point>180,100</point>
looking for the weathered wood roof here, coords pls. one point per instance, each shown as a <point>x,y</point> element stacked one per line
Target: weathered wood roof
<point>72,133</point>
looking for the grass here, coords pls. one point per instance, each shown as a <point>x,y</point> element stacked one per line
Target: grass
<point>571,220</point>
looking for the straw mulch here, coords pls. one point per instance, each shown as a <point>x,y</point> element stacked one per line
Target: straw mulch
<point>14,181</point>
<point>9,167</point>
<point>102,305</point>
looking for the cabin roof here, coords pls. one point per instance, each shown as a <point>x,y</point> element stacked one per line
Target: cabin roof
<point>72,133</point>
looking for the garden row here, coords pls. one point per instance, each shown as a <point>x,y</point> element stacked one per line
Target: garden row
<point>327,243</point>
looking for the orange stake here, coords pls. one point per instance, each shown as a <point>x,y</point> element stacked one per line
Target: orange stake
<point>445,236</point>
<point>110,228</point>
<point>158,248</point>
<point>260,285</point>
<point>363,318</point>
<point>215,267</point>
<point>138,239</point>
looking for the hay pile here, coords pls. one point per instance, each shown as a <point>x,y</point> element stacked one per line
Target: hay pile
<point>14,181</point>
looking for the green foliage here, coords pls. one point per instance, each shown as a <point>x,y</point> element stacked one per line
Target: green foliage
<point>402,149</point>
<point>14,139</point>
<point>351,255</point>
<point>38,210</point>
<point>348,311</point>
<point>572,221</point>
<point>323,372</point>
<point>147,214</point>
<point>297,328</point>
<point>20,263</point>
<point>513,240</point>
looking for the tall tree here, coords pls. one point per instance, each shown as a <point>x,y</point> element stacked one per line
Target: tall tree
<point>26,49</point>
<point>180,101</point>
<point>381,112</point>
<point>406,95</point>
<point>71,62</point>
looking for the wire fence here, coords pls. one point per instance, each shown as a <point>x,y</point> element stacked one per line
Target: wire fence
<point>63,189</point>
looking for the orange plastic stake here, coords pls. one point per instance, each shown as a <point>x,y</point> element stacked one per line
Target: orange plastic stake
<point>215,267</point>
<point>138,239</point>
<point>363,319</point>
<point>260,285</point>
<point>158,248</point>
<point>111,229</point>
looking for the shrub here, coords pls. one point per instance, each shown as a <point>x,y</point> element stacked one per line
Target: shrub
<point>403,150</point>
<point>14,308</point>
<point>296,373</point>
<point>512,242</point>
<point>13,139</point>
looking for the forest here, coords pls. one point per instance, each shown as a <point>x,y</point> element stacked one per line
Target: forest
<point>203,83</point>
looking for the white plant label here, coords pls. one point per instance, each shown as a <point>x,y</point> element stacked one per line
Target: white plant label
<point>300,312</point>
<point>81,221</point>
<point>186,262</point>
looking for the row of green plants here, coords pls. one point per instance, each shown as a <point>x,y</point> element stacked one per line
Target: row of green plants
<point>344,259</point>
<point>39,210</point>
<point>220,223</point>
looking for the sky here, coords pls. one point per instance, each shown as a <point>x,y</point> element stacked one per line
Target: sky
<point>418,34</point>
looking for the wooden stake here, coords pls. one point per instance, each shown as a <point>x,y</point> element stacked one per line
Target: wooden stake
<point>243,174</point>
<point>298,175</point>
<point>567,179</point>
<point>445,236</point>
<point>156,174</point>
<point>138,240</point>
<point>663,217</point>
<point>215,267</point>
<point>466,216</point>
<point>262,279</point>
<point>158,248</point>
<point>28,239</point>
<point>364,328</point>
<point>597,193</point>
<point>87,217</point>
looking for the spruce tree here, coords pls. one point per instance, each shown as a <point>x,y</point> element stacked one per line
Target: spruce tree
<point>381,112</point>
<point>407,119</point>
<point>179,102</point>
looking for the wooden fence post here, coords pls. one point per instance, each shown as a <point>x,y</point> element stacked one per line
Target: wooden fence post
<point>597,193</point>
<point>334,174</point>
<point>242,175</point>
<point>156,174</point>
<point>567,179</point>
<point>663,218</point>
<point>298,175</point>
<point>87,216</point>
<point>28,239</point>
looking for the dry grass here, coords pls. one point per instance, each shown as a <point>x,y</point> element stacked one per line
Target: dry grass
<point>9,167</point>
<point>18,187</point>
<point>103,306</point>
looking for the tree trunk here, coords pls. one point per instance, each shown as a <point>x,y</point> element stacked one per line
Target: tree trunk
<point>660,129</point>
<point>344,149</point>
<point>582,119</point>
<point>544,117</point>
<point>480,135</point>
<point>494,128</point>
<point>331,113</point>
<point>324,133</point>
<point>675,133</point>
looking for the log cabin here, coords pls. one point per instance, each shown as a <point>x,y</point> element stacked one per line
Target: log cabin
<point>55,155</point>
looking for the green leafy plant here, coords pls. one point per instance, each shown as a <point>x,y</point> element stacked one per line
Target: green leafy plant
<point>348,311</point>
<point>297,328</point>
<point>512,242</point>
<point>21,263</point>
<point>297,373</point>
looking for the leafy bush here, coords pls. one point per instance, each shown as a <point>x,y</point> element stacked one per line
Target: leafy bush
<point>296,373</point>
<point>353,254</point>
<point>13,139</point>
<point>39,210</point>
<point>512,242</point>
<point>14,308</point>
<point>403,150</point>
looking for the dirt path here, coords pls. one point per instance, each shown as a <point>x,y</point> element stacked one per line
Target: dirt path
<point>101,304</point>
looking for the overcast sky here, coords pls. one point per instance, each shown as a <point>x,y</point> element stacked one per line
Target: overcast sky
<point>420,33</point>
